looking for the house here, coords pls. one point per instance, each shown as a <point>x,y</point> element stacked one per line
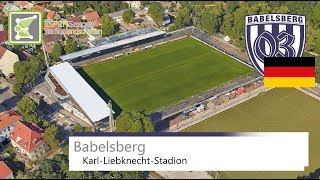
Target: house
<point>7,60</point>
<point>9,7</point>
<point>24,4</point>
<point>1,6</point>
<point>72,19</point>
<point>58,4</point>
<point>8,120</point>
<point>78,14</point>
<point>50,14</point>
<point>91,16</point>
<point>5,171</point>
<point>117,16</point>
<point>39,8</point>
<point>27,138</point>
<point>51,39</point>
<point>134,4</point>
<point>3,37</point>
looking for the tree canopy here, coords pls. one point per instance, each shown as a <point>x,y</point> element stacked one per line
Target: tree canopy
<point>156,12</point>
<point>108,25</point>
<point>27,108</point>
<point>128,16</point>
<point>134,121</point>
<point>71,46</point>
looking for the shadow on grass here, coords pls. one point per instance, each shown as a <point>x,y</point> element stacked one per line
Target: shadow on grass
<point>116,108</point>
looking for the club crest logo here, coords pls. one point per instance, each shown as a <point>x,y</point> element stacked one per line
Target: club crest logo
<point>274,35</point>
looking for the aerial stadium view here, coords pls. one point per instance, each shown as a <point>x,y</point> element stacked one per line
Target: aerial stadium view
<point>146,75</point>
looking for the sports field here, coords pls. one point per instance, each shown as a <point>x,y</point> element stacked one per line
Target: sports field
<point>278,110</point>
<point>155,78</point>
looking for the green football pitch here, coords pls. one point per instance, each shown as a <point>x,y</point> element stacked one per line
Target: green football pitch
<point>277,110</point>
<point>155,78</point>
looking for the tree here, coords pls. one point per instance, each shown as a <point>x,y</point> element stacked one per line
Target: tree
<point>27,108</point>
<point>71,46</point>
<point>128,16</point>
<point>108,25</point>
<point>156,12</point>
<point>42,104</point>
<point>51,134</point>
<point>4,21</point>
<point>173,6</point>
<point>48,170</point>
<point>56,51</point>
<point>17,88</point>
<point>134,121</point>
<point>78,128</point>
<point>209,22</point>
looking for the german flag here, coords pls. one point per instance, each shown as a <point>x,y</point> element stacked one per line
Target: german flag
<point>289,72</point>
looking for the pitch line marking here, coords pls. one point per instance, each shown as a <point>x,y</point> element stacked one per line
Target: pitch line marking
<point>252,118</point>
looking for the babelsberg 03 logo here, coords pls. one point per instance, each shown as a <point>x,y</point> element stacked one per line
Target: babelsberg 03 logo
<point>24,27</point>
<point>274,35</point>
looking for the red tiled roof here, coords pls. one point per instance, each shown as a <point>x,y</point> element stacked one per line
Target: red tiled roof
<point>5,170</point>
<point>96,22</point>
<point>3,36</point>
<point>9,117</point>
<point>38,8</point>
<point>51,14</point>
<point>92,16</point>
<point>27,135</point>
<point>2,51</point>
<point>23,3</point>
<point>74,19</point>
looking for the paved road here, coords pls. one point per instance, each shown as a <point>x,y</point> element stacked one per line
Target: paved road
<point>7,98</point>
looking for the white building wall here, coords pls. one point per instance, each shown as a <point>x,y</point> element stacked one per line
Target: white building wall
<point>7,61</point>
<point>5,132</point>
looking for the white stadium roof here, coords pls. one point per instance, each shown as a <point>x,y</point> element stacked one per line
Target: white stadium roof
<point>152,33</point>
<point>94,107</point>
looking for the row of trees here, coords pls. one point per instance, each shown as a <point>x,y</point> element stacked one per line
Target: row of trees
<point>58,168</point>
<point>102,7</point>
<point>228,17</point>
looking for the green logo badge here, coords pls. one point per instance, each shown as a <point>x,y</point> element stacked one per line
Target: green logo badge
<point>25,27</point>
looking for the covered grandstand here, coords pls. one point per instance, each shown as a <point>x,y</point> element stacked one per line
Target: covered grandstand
<point>115,43</point>
<point>76,95</point>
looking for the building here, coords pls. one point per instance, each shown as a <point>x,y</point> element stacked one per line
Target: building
<point>75,95</point>
<point>117,16</point>
<point>115,43</point>
<point>3,37</point>
<point>50,14</point>
<point>58,4</point>
<point>134,4</point>
<point>27,138</point>
<point>39,8</point>
<point>5,171</point>
<point>91,16</point>
<point>7,60</point>
<point>9,7</point>
<point>8,120</point>
<point>24,4</point>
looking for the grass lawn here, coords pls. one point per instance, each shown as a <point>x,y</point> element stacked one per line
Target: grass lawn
<point>158,77</point>
<point>278,110</point>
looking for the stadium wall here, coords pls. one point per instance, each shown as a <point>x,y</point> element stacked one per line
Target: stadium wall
<point>216,110</point>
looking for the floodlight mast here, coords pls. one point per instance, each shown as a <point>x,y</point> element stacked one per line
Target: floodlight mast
<point>111,120</point>
<point>45,54</point>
